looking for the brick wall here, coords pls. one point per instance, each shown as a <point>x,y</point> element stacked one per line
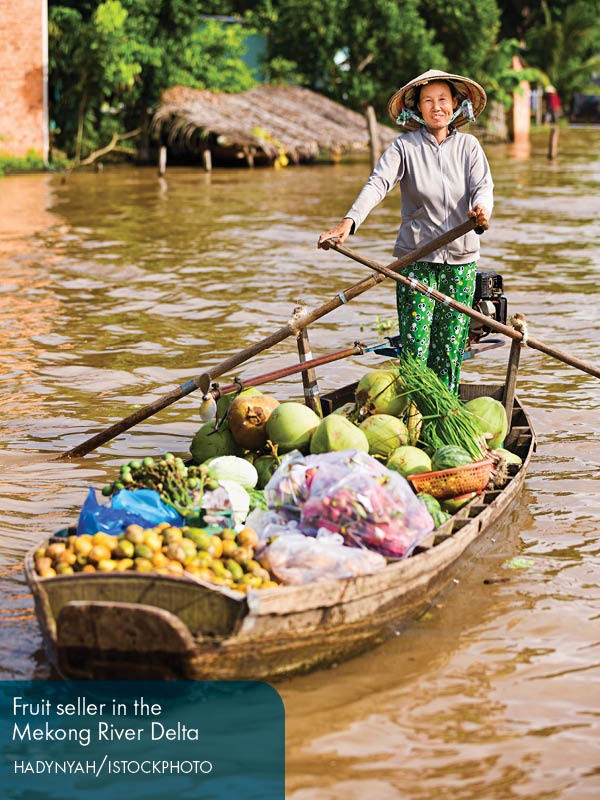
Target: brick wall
<point>23,53</point>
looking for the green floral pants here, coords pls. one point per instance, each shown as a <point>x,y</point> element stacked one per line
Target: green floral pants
<point>434,334</point>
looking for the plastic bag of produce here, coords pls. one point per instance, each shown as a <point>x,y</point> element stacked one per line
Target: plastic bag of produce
<point>142,507</point>
<point>269,524</point>
<point>296,559</point>
<point>292,482</point>
<point>380,512</point>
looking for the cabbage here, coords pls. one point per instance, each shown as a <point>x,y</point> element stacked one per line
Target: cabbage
<point>235,469</point>
<point>239,499</point>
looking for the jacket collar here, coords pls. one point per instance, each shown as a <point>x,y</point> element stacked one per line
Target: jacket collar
<point>429,137</point>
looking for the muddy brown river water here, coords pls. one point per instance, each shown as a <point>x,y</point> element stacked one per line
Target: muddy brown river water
<point>117,286</point>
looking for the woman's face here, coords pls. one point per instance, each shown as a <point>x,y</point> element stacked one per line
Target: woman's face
<point>436,105</point>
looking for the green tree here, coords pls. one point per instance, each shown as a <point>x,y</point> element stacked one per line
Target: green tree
<point>468,33</point>
<point>566,45</point>
<point>355,51</point>
<point>89,60</point>
<point>110,61</point>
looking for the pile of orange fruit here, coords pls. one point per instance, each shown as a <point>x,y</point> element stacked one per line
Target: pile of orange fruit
<point>218,555</point>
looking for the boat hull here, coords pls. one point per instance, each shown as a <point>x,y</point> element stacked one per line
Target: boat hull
<point>108,626</point>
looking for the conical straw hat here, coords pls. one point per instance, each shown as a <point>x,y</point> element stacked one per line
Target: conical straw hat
<point>466,88</point>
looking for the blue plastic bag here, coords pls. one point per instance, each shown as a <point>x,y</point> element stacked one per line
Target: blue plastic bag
<point>143,507</point>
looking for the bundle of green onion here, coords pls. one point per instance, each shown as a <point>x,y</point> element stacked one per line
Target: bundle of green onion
<point>446,420</point>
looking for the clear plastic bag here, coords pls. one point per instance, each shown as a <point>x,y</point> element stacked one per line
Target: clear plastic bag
<point>351,493</point>
<point>297,559</point>
<point>298,476</point>
<point>382,513</point>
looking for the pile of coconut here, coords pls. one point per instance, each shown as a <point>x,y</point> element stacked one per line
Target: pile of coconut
<point>381,421</point>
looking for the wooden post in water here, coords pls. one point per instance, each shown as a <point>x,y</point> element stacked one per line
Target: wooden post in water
<point>373,136</point>
<point>162,160</point>
<point>553,143</point>
<point>249,155</point>
<point>309,378</point>
<point>207,159</point>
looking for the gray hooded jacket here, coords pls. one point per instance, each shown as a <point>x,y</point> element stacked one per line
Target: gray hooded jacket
<point>440,184</point>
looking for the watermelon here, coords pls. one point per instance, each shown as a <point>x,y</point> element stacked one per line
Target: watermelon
<point>439,517</point>
<point>431,503</point>
<point>448,457</point>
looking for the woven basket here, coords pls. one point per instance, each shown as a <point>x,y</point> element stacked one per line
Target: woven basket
<point>454,482</point>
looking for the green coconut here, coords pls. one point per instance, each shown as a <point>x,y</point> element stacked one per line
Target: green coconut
<point>221,443</point>
<point>453,504</point>
<point>380,391</point>
<point>226,400</point>
<point>265,466</point>
<point>384,434</point>
<point>490,419</point>
<point>348,410</point>
<point>510,458</point>
<point>338,433</point>
<point>408,460</point>
<point>291,426</point>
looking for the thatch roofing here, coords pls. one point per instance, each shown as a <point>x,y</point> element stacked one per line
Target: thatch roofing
<point>265,118</point>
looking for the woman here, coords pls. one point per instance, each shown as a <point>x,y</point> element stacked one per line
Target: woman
<point>444,177</point>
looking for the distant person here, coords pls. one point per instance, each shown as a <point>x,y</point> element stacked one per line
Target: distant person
<point>552,105</point>
<point>444,178</point>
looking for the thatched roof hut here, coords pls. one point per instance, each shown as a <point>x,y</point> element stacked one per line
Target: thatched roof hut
<point>266,120</point>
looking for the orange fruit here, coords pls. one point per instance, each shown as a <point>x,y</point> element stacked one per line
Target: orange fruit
<point>247,537</point>
<point>83,545</point>
<point>160,560</point>
<point>105,539</point>
<point>98,553</point>
<point>215,548</point>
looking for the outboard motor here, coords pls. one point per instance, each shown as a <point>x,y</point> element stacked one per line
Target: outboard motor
<point>489,300</point>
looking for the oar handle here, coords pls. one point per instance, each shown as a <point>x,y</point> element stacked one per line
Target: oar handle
<point>415,255</point>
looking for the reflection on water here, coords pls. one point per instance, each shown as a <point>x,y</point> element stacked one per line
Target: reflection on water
<point>116,287</point>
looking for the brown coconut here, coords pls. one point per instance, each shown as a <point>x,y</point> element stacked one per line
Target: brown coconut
<point>248,419</point>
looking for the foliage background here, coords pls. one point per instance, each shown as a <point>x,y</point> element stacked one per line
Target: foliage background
<point>110,60</point>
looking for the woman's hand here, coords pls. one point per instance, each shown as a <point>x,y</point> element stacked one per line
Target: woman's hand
<point>482,216</point>
<point>340,232</point>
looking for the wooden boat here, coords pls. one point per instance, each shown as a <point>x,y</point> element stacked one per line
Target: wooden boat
<point>110,626</point>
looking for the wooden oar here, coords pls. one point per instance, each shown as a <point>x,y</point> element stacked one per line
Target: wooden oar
<point>389,272</point>
<point>299,366</point>
<point>293,327</point>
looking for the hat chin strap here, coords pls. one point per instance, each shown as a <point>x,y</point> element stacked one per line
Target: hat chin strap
<point>465,108</point>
